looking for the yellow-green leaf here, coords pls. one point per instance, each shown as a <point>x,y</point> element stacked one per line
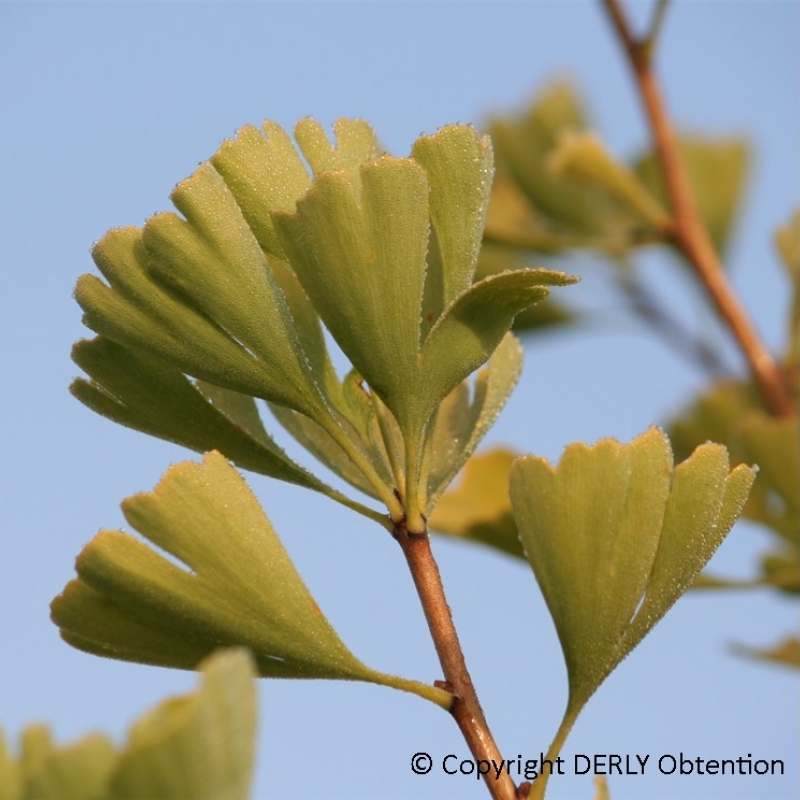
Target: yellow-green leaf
<point>478,508</point>
<point>234,584</point>
<point>361,259</point>
<point>213,258</point>
<point>459,166</point>
<point>561,213</point>
<point>461,425</point>
<point>614,537</point>
<point>584,157</point>
<point>717,169</point>
<point>78,771</point>
<point>141,392</point>
<point>471,328</point>
<point>10,773</point>
<point>196,747</point>
<point>786,652</point>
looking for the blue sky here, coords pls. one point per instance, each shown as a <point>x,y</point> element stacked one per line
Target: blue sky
<point>106,107</point>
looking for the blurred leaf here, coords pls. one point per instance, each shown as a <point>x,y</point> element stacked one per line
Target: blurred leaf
<point>615,537</point>
<point>724,414</point>
<point>11,781</point>
<point>533,208</point>
<point>585,158</point>
<point>78,771</point>
<point>774,444</point>
<point>786,652</point>
<point>196,747</point>
<point>513,221</point>
<point>787,240</point>
<point>478,508</point>
<point>235,586</point>
<point>717,169</point>
<point>199,746</point>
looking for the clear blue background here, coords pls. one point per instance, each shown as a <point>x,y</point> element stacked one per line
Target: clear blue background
<point>105,107</point>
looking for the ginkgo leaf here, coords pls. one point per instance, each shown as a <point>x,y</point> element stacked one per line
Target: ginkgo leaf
<point>143,393</point>
<point>77,771</point>
<point>265,172</point>
<point>614,537</point>
<point>543,316</point>
<point>322,446</point>
<point>361,259</point>
<point>356,144</point>
<point>717,169</point>
<point>471,328</point>
<point>212,258</point>
<point>196,747</point>
<point>234,585</point>
<point>786,652</point>
<point>459,166</point>
<point>478,508</point>
<point>461,424</point>
<point>584,157</point>
<point>562,213</point>
<point>774,444</point>
<point>136,311</point>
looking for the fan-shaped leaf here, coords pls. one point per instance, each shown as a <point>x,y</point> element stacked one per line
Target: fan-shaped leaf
<point>235,585</point>
<point>196,747</point>
<point>614,538</point>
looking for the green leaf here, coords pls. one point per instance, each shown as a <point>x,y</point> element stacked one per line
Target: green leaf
<point>361,259</point>
<point>265,173</point>
<point>717,169</point>
<point>471,328</point>
<point>78,771</point>
<point>10,773</point>
<point>213,258</point>
<point>614,538</point>
<point>786,652</point>
<point>787,241</point>
<point>356,145</point>
<point>233,584</point>
<point>478,508</point>
<point>143,393</point>
<point>725,413</point>
<point>322,446</point>
<point>188,748</point>
<point>196,747</point>
<point>459,166</point>
<point>559,213</point>
<point>774,444</point>
<point>141,314</point>
<point>584,157</point>
<point>461,424</point>
<point>543,316</point>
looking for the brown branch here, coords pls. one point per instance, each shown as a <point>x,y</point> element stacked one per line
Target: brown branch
<point>466,709</point>
<point>688,233</point>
